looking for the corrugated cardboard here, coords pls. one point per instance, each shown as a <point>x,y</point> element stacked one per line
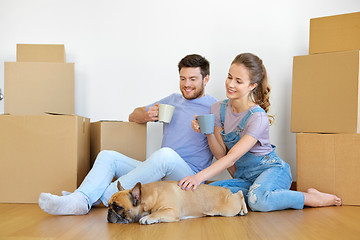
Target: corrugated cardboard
<point>128,138</point>
<point>42,153</point>
<point>325,93</point>
<point>40,53</point>
<point>35,88</point>
<point>329,163</point>
<point>335,33</point>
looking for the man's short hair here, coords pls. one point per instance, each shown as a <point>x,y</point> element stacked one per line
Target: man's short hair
<point>194,61</point>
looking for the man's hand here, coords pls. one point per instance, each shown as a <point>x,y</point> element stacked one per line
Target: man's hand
<point>153,113</point>
<point>189,182</point>
<point>139,115</point>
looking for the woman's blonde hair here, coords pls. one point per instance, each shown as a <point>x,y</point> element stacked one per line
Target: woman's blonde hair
<point>261,93</point>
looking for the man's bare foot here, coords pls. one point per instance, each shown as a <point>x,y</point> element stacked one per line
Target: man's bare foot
<point>314,198</point>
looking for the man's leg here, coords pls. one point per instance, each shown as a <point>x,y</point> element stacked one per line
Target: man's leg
<point>108,164</point>
<point>164,164</point>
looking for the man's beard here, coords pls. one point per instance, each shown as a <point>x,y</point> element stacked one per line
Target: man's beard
<point>196,94</point>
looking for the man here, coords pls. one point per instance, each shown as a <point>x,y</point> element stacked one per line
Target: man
<point>183,152</point>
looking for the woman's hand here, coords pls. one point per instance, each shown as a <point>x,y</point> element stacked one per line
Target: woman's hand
<point>189,182</point>
<point>195,125</point>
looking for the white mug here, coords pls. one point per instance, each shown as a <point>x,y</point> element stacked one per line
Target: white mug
<point>165,113</point>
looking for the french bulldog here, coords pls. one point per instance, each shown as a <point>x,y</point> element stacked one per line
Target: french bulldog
<point>165,201</point>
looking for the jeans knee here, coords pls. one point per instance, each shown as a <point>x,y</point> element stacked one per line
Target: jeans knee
<point>164,154</point>
<point>166,151</point>
<point>258,201</point>
<point>166,158</point>
<point>105,156</point>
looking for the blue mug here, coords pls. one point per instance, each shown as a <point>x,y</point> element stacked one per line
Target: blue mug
<point>206,123</point>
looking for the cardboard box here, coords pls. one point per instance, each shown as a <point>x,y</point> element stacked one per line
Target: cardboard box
<point>325,93</point>
<point>40,53</point>
<point>329,163</point>
<point>42,153</point>
<point>335,33</point>
<point>128,138</point>
<point>35,88</point>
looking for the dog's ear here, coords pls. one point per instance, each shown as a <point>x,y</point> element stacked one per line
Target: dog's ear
<point>120,188</point>
<point>136,194</point>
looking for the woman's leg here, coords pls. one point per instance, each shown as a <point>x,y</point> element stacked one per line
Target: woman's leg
<point>164,164</point>
<point>234,185</point>
<point>270,191</point>
<point>314,198</point>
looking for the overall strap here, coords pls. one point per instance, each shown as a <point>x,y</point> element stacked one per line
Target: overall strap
<point>223,110</point>
<point>248,115</point>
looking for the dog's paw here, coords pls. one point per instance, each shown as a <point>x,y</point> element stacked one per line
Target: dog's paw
<point>148,220</point>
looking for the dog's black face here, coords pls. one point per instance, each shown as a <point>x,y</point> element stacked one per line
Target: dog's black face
<point>124,206</point>
<point>117,214</point>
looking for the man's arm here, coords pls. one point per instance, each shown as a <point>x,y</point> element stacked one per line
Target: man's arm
<point>140,115</point>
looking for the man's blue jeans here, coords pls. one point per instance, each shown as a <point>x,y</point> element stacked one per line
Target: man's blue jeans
<point>164,164</point>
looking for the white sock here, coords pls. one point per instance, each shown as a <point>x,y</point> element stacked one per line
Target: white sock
<point>65,193</point>
<point>72,204</point>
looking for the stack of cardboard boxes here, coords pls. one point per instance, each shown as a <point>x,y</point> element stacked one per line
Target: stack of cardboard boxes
<point>44,147</point>
<point>41,152</point>
<point>325,111</point>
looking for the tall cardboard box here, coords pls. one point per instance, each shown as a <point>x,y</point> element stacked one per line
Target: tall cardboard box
<point>329,163</point>
<point>325,93</point>
<point>36,88</point>
<point>335,33</point>
<point>128,138</point>
<point>40,53</point>
<point>42,153</point>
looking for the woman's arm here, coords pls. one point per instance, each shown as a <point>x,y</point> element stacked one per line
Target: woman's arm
<point>218,147</point>
<point>236,152</point>
<point>216,143</point>
<point>232,170</point>
<point>215,140</point>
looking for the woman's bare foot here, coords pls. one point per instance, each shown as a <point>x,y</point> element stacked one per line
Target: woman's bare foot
<point>314,198</point>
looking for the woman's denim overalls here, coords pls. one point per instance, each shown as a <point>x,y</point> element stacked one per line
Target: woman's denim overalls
<point>264,180</point>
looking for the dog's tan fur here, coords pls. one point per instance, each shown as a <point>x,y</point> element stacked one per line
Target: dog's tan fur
<point>165,201</point>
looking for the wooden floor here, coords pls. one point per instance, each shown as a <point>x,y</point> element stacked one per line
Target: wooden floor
<point>28,221</point>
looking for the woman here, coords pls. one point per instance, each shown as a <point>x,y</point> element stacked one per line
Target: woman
<point>241,144</point>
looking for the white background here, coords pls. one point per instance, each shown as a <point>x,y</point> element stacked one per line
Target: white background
<point>126,52</point>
